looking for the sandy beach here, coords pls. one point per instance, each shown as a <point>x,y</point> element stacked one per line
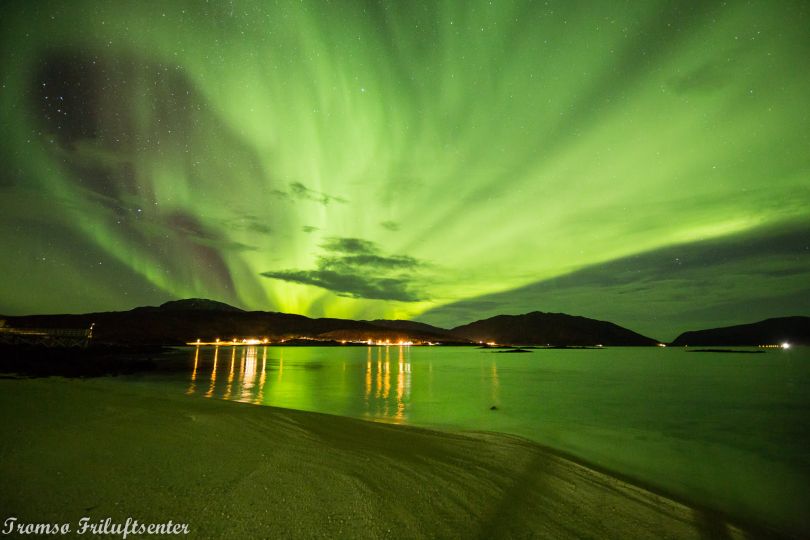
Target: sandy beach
<point>100,448</point>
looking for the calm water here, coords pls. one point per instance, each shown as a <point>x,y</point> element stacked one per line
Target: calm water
<point>727,430</point>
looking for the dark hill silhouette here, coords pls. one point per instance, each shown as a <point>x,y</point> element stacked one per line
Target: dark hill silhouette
<point>181,321</point>
<point>794,330</point>
<point>538,328</point>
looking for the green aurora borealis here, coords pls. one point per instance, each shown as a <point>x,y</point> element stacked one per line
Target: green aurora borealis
<point>641,162</point>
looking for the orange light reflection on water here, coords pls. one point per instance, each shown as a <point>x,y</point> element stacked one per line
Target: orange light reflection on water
<point>386,395</point>
<point>213,373</point>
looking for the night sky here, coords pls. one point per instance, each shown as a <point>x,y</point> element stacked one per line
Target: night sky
<point>645,162</point>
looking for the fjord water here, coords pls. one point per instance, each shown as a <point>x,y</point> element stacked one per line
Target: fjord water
<point>728,431</point>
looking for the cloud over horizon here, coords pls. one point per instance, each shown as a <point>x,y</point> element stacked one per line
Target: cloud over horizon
<point>299,192</point>
<point>357,268</point>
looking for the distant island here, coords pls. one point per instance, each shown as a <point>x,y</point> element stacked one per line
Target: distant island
<point>182,321</point>
<point>538,328</point>
<point>782,330</point>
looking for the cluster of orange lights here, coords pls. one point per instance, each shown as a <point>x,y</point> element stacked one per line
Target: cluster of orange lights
<point>234,341</point>
<point>266,341</point>
<point>784,345</point>
<point>387,342</point>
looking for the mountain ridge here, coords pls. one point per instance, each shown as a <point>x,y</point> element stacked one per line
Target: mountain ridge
<point>540,328</point>
<point>180,321</point>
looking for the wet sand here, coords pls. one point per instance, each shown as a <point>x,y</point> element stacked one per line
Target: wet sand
<point>110,448</point>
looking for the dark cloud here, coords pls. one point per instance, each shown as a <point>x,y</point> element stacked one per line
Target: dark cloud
<point>739,278</point>
<point>358,268</point>
<point>353,253</point>
<point>390,225</point>
<point>370,261</point>
<point>350,246</point>
<point>774,251</point>
<point>352,285</point>
<point>248,223</point>
<point>309,229</point>
<point>299,192</point>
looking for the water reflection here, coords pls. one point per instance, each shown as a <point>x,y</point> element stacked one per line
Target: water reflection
<point>378,375</point>
<point>248,373</point>
<point>213,372</point>
<point>193,386</point>
<point>230,374</point>
<point>262,378</point>
<point>384,379</point>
